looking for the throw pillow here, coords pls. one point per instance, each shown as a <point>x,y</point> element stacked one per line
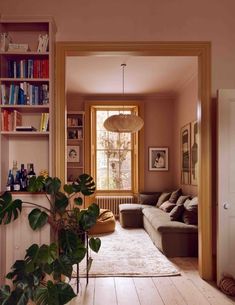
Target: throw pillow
<point>148,198</point>
<point>176,213</point>
<point>190,216</point>
<point>167,206</point>
<point>164,197</point>
<point>175,195</point>
<point>182,199</point>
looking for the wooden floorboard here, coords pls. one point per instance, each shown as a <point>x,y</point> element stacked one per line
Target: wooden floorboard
<point>186,289</point>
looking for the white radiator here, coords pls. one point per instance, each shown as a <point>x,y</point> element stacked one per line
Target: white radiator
<point>112,202</point>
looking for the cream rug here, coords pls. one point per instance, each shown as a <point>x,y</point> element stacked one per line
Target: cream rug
<point>128,252</point>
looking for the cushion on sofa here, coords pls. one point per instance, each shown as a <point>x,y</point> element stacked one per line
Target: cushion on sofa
<point>176,213</point>
<point>175,195</point>
<point>164,197</point>
<point>182,199</point>
<point>149,198</point>
<point>167,206</point>
<point>190,215</point>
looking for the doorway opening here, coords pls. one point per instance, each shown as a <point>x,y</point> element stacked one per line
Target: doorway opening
<point>202,52</point>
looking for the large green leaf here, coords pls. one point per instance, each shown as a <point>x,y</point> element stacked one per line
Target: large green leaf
<point>9,209</point>
<point>87,184</point>
<point>61,202</point>
<point>52,185</point>
<point>68,188</point>
<point>54,294</point>
<point>36,184</point>
<point>95,244</point>
<point>43,256</point>
<point>37,219</point>
<point>89,217</point>
<point>62,266</point>
<point>5,292</point>
<point>18,296</point>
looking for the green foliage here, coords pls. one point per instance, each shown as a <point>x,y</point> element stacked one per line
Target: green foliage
<point>95,244</point>
<point>68,225</point>
<point>37,219</point>
<point>9,209</point>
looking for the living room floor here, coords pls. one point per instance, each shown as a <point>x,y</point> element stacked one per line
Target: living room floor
<point>187,289</point>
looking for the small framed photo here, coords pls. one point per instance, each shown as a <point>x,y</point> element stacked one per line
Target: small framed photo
<point>158,158</point>
<point>185,154</point>
<point>73,153</point>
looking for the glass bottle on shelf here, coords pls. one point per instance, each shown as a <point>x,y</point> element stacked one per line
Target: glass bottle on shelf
<point>23,178</point>
<point>14,169</point>
<point>16,185</point>
<point>10,182</point>
<point>31,172</point>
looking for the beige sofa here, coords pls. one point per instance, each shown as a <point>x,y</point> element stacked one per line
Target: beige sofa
<point>173,238</point>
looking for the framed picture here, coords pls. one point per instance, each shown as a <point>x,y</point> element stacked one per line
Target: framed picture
<point>158,158</point>
<point>194,153</point>
<point>73,153</point>
<point>185,154</point>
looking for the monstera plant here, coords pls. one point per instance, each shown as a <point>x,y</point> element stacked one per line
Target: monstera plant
<point>39,276</point>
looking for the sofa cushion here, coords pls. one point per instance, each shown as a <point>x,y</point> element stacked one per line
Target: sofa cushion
<point>176,213</point>
<point>175,195</point>
<point>164,197</point>
<point>161,221</point>
<point>167,206</point>
<point>190,215</point>
<point>149,198</point>
<point>182,199</point>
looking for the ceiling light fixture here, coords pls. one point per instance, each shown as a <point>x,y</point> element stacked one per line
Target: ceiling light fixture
<point>123,122</point>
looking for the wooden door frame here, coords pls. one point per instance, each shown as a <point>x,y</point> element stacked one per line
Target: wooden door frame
<point>203,52</point>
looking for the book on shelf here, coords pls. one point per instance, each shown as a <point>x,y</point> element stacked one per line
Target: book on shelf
<point>44,123</point>
<point>18,47</point>
<point>26,128</point>
<point>43,42</point>
<point>10,119</point>
<point>28,68</point>
<point>24,94</point>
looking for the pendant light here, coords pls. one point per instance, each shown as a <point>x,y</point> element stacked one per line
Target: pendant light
<point>123,122</point>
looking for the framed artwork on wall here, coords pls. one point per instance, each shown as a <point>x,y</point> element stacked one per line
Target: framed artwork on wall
<point>158,158</point>
<point>185,154</point>
<point>73,153</point>
<point>194,153</point>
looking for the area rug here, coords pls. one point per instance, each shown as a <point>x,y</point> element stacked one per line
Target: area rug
<point>128,252</point>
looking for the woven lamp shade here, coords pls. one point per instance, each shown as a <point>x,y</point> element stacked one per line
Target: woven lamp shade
<point>123,123</point>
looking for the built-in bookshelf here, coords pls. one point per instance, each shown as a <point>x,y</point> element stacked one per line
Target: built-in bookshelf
<point>26,93</point>
<point>75,144</point>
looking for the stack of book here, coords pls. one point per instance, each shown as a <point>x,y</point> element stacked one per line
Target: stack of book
<point>43,42</point>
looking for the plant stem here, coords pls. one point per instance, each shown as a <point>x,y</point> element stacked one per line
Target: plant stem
<point>37,205</point>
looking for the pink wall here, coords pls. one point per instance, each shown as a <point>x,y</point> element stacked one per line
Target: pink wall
<point>185,111</point>
<point>149,20</point>
<point>158,132</point>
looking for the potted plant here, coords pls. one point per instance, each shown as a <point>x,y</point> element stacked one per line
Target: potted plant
<point>39,276</point>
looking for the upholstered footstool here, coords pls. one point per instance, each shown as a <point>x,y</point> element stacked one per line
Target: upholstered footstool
<point>130,215</point>
<point>105,223</point>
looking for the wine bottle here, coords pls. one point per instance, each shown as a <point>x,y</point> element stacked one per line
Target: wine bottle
<point>10,181</point>
<point>23,178</point>
<point>14,169</point>
<point>16,185</point>
<point>31,172</point>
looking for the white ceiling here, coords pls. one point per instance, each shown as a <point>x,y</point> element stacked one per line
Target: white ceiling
<point>143,74</point>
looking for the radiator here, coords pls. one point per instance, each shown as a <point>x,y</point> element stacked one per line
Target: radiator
<point>112,202</point>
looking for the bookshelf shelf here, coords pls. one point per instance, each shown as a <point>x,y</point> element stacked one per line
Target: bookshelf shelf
<point>26,92</point>
<point>75,142</point>
<point>8,79</point>
<point>27,53</point>
<point>25,133</point>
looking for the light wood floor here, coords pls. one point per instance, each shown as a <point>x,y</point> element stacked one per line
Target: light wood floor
<point>187,289</point>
